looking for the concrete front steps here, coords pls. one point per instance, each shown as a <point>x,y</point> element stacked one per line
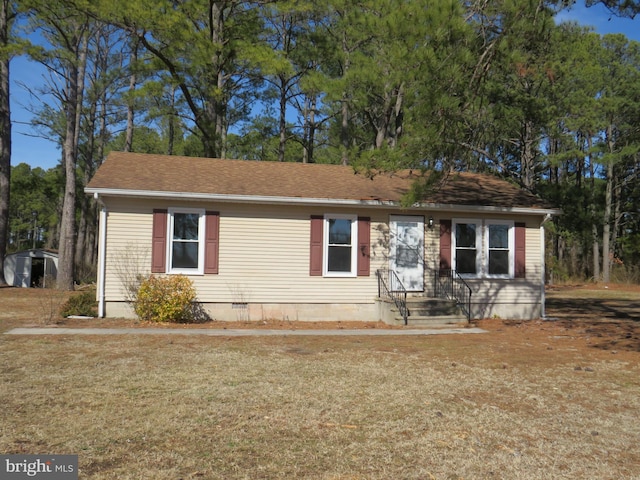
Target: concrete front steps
<point>427,313</point>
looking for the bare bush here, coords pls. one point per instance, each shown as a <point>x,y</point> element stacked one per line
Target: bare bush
<point>130,264</point>
<point>50,302</point>
<point>240,299</point>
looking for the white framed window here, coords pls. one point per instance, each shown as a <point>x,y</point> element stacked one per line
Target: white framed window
<point>185,249</point>
<point>499,248</point>
<point>466,239</point>
<point>340,245</point>
<point>483,248</point>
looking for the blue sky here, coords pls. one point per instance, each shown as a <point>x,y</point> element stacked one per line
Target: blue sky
<point>602,20</point>
<point>29,148</point>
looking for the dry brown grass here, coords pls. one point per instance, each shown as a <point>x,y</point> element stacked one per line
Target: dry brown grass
<point>30,306</point>
<point>527,400</point>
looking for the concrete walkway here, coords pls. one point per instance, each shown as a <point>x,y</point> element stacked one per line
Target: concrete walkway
<point>214,332</point>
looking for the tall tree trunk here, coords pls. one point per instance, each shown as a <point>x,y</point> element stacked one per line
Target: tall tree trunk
<point>388,125</point>
<point>595,249</point>
<point>171,127</point>
<point>344,132</point>
<point>282,120</point>
<point>217,110</point>
<point>171,133</point>
<point>81,235</point>
<point>594,226</point>
<point>128,141</point>
<point>5,136</point>
<point>398,114</point>
<point>83,201</point>
<point>67,223</point>
<point>617,215</point>
<point>306,128</point>
<point>91,244</point>
<point>309,129</point>
<point>133,81</point>
<point>527,155</point>
<point>53,236</point>
<point>381,126</point>
<point>344,108</point>
<point>606,230</point>
<point>73,106</point>
<point>311,137</point>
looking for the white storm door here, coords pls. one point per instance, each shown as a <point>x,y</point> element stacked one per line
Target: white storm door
<point>406,251</point>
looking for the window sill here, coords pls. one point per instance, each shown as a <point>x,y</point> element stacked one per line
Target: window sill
<point>189,273</point>
<point>339,275</point>
<point>487,277</point>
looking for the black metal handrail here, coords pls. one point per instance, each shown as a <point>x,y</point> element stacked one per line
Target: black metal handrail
<point>449,284</point>
<point>390,286</point>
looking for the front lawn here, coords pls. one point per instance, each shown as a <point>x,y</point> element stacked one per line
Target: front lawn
<point>542,399</point>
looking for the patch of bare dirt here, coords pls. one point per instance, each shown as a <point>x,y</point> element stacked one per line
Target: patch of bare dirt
<point>602,317</point>
<point>605,316</point>
<point>226,325</point>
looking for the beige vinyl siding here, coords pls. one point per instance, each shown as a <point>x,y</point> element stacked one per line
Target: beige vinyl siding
<point>263,254</point>
<point>128,249</point>
<point>264,258</point>
<point>509,298</point>
<point>513,298</point>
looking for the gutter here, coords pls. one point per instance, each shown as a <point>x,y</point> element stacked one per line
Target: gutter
<point>102,256</point>
<point>308,201</point>
<point>543,298</point>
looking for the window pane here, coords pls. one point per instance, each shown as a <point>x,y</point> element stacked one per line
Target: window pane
<point>409,244</point>
<point>185,226</point>
<point>339,231</point>
<point>185,255</point>
<point>499,262</point>
<point>407,256</point>
<point>339,259</point>
<point>466,261</point>
<point>498,236</point>
<point>465,235</point>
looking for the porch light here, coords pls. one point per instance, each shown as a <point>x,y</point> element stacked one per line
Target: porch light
<point>430,221</point>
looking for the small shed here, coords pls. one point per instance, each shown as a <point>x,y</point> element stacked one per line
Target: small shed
<point>31,268</point>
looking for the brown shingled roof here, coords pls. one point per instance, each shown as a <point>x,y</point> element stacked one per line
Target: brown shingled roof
<point>176,174</point>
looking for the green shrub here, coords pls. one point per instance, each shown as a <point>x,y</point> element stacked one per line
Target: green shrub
<point>83,303</point>
<point>166,299</point>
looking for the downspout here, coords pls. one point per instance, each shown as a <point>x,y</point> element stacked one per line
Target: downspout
<point>546,218</point>
<point>102,256</point>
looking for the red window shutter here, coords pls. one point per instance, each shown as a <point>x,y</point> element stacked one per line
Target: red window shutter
<point>315,262</point>
<point>520,250</point>
<point>364,246</point>
<point>445,245</point>
<point>159,242</point>
<point>211,242</point>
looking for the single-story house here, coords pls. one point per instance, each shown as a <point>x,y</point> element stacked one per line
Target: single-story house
<point>293,241</point>
<point>31,268</point>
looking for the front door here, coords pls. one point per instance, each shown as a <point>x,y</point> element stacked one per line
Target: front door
<point>406,250</point>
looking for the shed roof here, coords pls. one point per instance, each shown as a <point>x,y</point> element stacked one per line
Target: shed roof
<point>135,174</point>
<point>35,253</point>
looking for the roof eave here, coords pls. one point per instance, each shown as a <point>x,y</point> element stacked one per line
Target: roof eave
<point>304,201</point>
<point>455,208</point>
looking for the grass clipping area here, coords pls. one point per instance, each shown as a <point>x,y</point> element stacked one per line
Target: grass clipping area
<point>139,407</point>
